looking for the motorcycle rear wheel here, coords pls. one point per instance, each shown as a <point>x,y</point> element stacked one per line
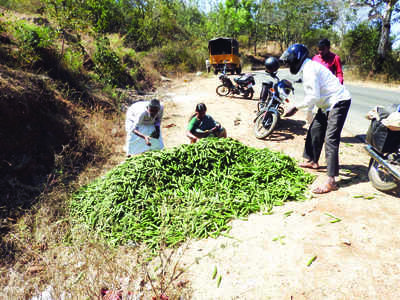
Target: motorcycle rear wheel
<point>265,123</point>
<point>222,90</point>
<point>380,179</point>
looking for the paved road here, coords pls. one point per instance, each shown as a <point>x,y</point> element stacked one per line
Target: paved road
<point>363,99</point>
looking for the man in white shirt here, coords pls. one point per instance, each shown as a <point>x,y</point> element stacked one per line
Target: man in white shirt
<point>332,99</point>
<point>142,124</point>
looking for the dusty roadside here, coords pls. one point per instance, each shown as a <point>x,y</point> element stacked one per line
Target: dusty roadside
<point>341,245</point>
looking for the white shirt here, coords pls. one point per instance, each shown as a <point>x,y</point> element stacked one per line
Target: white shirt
<point>137,114</point>
<point>321,87</point>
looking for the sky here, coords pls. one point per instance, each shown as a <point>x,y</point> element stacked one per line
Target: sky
<point>394,29</point>
<point>396,33</point>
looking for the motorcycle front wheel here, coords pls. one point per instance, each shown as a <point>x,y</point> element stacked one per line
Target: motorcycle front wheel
<point>264,124</point>
<point>222,90</point>
<point>380,179</point>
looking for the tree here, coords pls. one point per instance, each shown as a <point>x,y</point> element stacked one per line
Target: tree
<point>359,46</point>
<point>386,11</point>
<point>292,21</point>
<point>66,14</point>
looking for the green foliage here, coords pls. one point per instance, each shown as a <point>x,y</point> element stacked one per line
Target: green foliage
<point>177,32</point>
<point>2,25</point>
<point>74,60</point>
<point>31,39</point>
<point>68,14</point>
<point>312,37</point>
<point>360,45</point>
<point>33,36</point>
<point>105,15</point>
<point>155,28</point>
<point>107,64</point>
<point>143,35</point>
<point>22,5</point>
<point>180,56</point>
<point>293,20</point>
<point>391,66</point>
<point>191,191</point>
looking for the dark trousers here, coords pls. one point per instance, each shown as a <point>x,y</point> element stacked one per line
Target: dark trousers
<point>327,127</point>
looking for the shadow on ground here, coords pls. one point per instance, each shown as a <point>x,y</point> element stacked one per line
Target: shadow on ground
<point>357,139</point>
<point>287,129</point>
<point>353,174</point>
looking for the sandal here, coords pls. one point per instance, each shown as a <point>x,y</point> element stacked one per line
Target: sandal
<point>309,165</point>
<point>325,188</point>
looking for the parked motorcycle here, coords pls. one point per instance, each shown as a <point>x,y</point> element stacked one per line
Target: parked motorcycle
<point>273,98</point>
<point>383,146</point>
<point>243,85</point>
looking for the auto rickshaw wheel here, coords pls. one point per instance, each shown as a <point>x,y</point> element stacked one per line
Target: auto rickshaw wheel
<point>239,70</point>
<point>215,71</point>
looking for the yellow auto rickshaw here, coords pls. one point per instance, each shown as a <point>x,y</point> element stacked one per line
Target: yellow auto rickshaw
<point>224,55</point>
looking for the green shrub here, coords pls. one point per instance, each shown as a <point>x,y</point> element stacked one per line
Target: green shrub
<point>108,66</point>
<point>2,25</point>
<point>391,66</point>
<point>360,46</point>
<point>74,60</point>
<point>31,39</point>
<point>181,56</point>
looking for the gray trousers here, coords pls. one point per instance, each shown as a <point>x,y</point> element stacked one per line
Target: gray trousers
<point>327,127</point>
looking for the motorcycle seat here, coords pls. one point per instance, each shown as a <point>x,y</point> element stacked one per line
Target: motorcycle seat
<point>245,79</point>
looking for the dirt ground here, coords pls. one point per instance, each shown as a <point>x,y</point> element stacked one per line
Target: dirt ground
<point>352,234</point>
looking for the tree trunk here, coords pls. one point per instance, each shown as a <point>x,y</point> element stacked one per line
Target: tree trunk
<point>385,33</point>
<point>255,40</point>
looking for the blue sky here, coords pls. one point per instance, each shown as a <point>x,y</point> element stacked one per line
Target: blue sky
<point>396,33</point>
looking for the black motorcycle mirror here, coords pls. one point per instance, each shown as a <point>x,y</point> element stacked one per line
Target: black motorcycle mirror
<point>298,81</point>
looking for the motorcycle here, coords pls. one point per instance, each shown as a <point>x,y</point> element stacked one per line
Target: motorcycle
<point>243,85</point>
<point>383,146</point>
<point>273,99</point>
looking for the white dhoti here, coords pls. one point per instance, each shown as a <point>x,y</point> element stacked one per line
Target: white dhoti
<point>135,144</point>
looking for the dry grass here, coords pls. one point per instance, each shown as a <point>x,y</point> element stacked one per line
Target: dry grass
<point>373,80</point>
<point>83,270</point>
<point>78,265</point>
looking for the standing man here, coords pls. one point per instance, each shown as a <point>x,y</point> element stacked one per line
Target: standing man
<point>142,124</point>
<point>329,59</point>
<point>208,66</point>
<point>332,99</point>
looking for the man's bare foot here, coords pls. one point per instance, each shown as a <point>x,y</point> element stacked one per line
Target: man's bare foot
<point>326,188</point>
<point>309,165</point>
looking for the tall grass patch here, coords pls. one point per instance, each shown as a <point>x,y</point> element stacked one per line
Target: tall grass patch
<point>190,191</point>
